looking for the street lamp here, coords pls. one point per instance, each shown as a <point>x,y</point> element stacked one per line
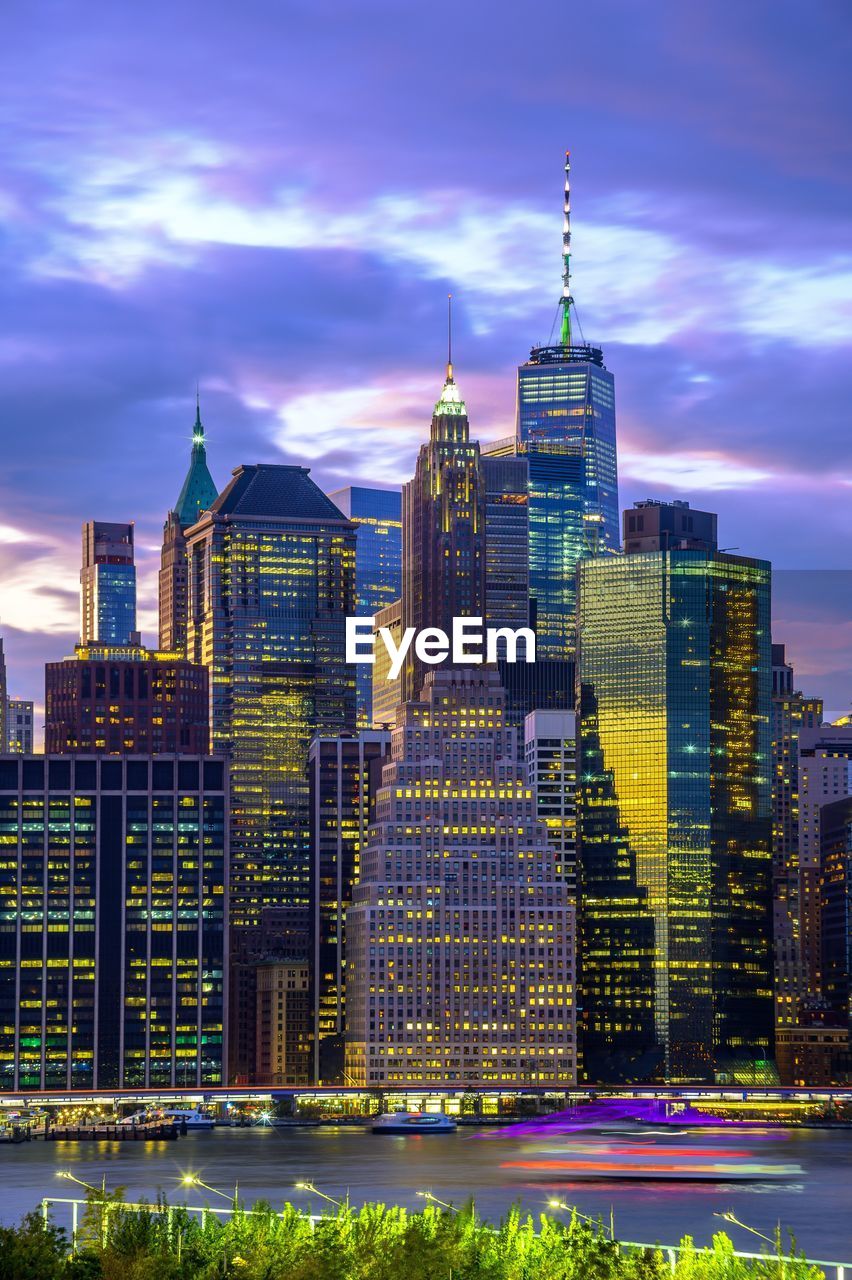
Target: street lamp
<point>572,1208</point>
<point>193,1180</point>
<point>309,1186</point>
<point>729,1216</point>
<point>70,1177</point>
<point>427,1195</point>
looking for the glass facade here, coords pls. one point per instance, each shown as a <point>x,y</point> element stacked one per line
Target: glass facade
<point>112,922</point>
<point>378,565</point>
<point>566,395</point>
<point>108,584</point>
<point>674,657</point>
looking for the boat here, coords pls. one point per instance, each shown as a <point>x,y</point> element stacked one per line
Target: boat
<point>193,1119</point>
<point>406,1122</point>
<point>689,1161</point>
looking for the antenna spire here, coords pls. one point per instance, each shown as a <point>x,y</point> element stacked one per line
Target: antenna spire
<point>198,428</point>
<point>565,337</point>
<point>449,337</point>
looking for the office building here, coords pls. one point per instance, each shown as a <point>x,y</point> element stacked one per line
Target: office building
<point>197,494</point>
<point>108,585</point>
<point>4,696</point>
<point>120,699</point>
<point>377,515</point>
<point>566,397</point>
<point>386,693</point>
<point>550,741</point>
<point>284,1024</point>
<point>507,585</point>
<point>674,657</point>
<point>344,775</point>
<point>443,530</point>
<point>112,922</point>
<point>460,943</point>
<point>825,776</point>
<point>20,721</point>
<point>836,907</point>
<point>791,713</point>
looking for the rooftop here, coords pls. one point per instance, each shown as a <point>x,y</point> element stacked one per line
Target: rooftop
<point>265,490</point>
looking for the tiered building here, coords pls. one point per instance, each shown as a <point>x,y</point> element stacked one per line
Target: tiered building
<point>108,585</point>
<point>461,933</point>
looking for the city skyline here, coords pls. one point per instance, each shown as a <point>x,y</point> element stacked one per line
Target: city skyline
<point>241,237</point>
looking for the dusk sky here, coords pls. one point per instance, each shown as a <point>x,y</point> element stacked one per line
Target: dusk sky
<point>274,199</point>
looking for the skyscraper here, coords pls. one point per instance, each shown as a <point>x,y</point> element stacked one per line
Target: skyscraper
<point>378,565</point>
<point>461,936</point>
<point>20,726</point>
<point>507,583</point>
<point>344,776</point>
<point>4,697</point>
<point>108,585</point>
<point>112,922</point>
<point>271,572</point>
<point>674,659</point>
<point>792,712</point>
<point>566,396</point>
<point>443,530</point>
<point>550,744</point>
<point>197,494</point>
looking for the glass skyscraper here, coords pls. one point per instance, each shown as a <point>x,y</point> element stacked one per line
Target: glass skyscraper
<point>108,584</point>
<point>112,921</point>
<point>378,565</point>
<point>674,657</point>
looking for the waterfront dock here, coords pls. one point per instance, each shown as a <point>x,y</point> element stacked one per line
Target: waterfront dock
<point>151,1131</point>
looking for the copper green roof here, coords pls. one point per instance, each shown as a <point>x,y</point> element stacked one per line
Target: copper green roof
<point>198,492</point>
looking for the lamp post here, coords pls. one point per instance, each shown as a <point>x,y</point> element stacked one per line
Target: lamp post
<point>572,1208</point>
<point>70,1177</point>
<point>193,1180</point>
<point>309,1186</point>
<point>730,1216</point>
<point>427,1195</point>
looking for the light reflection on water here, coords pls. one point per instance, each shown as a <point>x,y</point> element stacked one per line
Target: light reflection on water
<point>268,1162</point>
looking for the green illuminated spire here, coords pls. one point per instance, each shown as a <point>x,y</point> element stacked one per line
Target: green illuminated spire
<point>450,401</point>
<point>565,337</point>
<point>198,492</point>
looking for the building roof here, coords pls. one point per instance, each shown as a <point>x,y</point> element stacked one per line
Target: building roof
<point>271,491</point>
<point>199,492</point>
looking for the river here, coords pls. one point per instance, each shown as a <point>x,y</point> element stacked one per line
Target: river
<point>813,1199</point>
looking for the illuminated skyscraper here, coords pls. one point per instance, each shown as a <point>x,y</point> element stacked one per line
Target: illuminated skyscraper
<point>272,579</point>
<point>378,565</point>
<point>551,763</point>
<point>674,658</point>
<point>20,726</point>
<point>112,922</point>
<point>443,530</point>
<point>507,585</point>
<point>461,936</point>
<point>108,585</point>
<point>4,697</point>
<point>197,494</point>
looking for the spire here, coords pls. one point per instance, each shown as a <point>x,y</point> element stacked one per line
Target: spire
<point>198,492</point>
<point>198,428</point>
<point>565,337</point>
<point>450,401</point>
<point>449,337</point>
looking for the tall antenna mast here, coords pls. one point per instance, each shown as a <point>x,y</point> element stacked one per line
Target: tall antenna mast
<point>449,337</point>
<point>565,337</point>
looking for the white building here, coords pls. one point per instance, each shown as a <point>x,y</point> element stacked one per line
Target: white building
<point>550,752</point>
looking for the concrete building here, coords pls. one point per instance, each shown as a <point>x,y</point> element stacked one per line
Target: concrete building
<point>20,726</point>
<point>825,776</point>
<point>387,693</point>
<point>550,741</point>
<point>284,1023</point>
<point>461,933</point>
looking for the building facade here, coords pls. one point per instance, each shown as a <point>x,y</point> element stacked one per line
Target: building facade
<point>284,1025</point>
<point>112,922</point>
<point>344,776</point>
<point>507,576</point>
<point>197,494</point>
<point>461,935</point>
<point>386,693</point>
<point>443,530</point>
<point>108,585</point>
<point>674,661</point>
<point>825,776</point>
<point>550,743</point>
<point>126,699</point>
<point>377,514</point>
<point>20,726</point>
<point>4,697</point>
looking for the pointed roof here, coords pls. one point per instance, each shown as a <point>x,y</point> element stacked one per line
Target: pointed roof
<point>198,492</point>
<point>450,399</point>
<point>266,490</point>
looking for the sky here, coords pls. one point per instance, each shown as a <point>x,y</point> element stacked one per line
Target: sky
<point>273,199</point>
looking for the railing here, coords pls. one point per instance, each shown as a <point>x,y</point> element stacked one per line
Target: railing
<point>836,1270</point>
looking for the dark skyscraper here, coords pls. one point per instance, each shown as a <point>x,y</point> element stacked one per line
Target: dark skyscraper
<point>378,565</point>
<point>4,698</point>
<point>507,583</point>
<point>108,585</point>
<point>674,657</point>
<point>198,493</point>
<point>443,530</point>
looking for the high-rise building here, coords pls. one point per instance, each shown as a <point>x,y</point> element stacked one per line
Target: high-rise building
<point>461,935</point>
<point>4,696</point>
<point>825,775</point>
<point>344,775</point>
<point>836,907</point>
<point>507,579</point>
<point>566,397</point>
<point>550,742</point>
<point>387,693</point>
<point>378,565</point>
<point>674,656</point>
<point>108,585</point>
<point>792,712</point>
<point>443,530</point>
<point>124,698</point>
<point>197,494</point>
<point>20,726</point>
<point>284,1025</point>
<point>271,581</point>
<point>112,922</point>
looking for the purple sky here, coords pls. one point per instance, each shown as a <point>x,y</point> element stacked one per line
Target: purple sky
<point>275,198</point>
